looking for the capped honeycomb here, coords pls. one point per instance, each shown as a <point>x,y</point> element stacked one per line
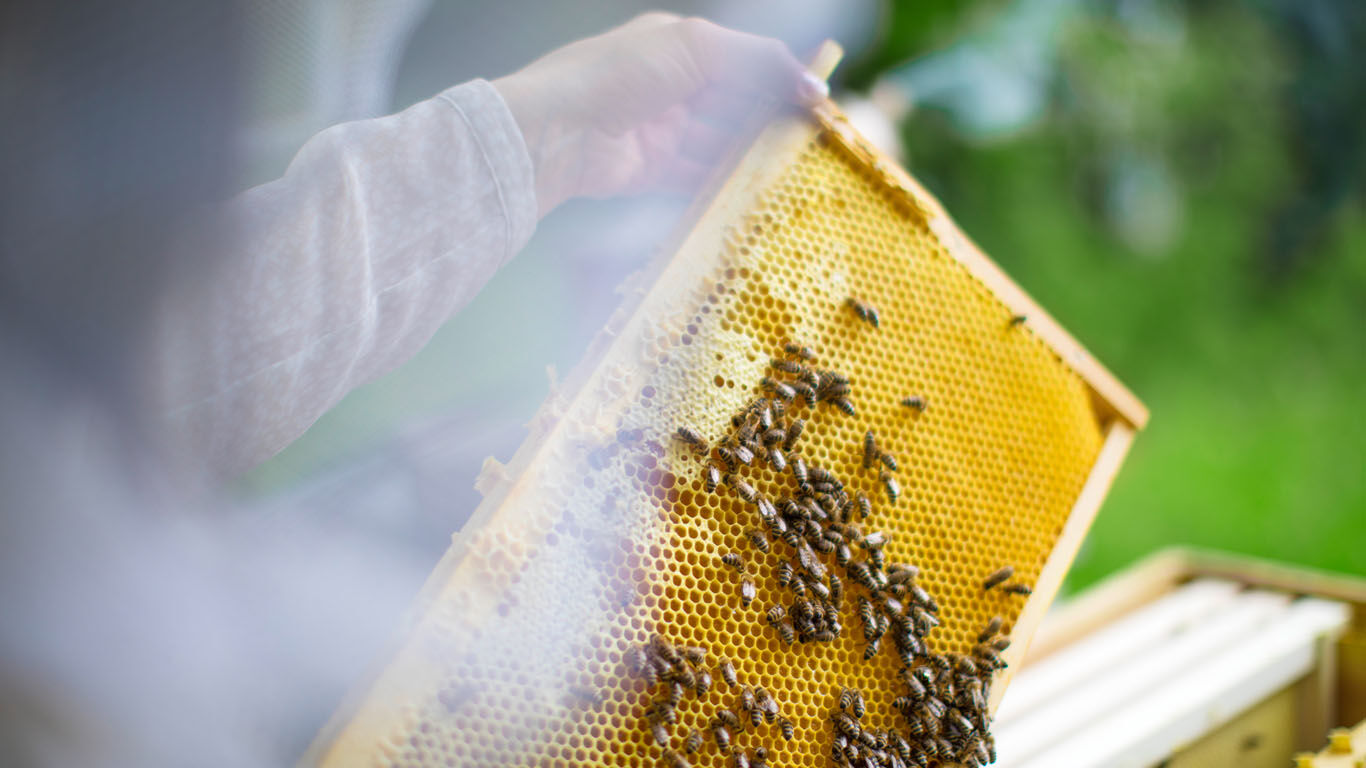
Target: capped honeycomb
<point>602,533</point>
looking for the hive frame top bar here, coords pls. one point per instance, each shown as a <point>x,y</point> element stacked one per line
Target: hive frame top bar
<point>734,190</point>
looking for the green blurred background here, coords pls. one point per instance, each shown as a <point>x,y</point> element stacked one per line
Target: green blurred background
<point>1179,183</point>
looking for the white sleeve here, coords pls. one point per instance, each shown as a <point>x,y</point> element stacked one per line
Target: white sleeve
<point>339,271</point>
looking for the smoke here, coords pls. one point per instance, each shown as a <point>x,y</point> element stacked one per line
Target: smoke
<point>149,618</point>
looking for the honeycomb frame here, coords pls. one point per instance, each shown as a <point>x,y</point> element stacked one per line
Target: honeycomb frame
<point>492,670</point>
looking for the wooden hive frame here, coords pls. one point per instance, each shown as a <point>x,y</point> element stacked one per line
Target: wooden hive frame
<point>363,719</point>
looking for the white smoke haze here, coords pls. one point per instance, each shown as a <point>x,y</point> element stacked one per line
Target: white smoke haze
<point>151,620</point>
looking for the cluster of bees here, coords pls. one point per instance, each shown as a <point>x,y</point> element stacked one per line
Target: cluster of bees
<point>685,670</point>
<point>944,707</point>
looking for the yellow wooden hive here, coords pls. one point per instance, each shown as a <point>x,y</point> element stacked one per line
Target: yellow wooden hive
<point>600,532</point>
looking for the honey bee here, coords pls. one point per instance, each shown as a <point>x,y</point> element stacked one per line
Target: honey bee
<point>966,666</point>
<point>955,717</point>
<point>1018,320</point>
<point>916,402</point>
<point>846,726</point>
<point>901,573</point>
<point>721,735</point>
<point>775,436</point>
<point>786,366</point>
<point>743,454</point>
<point>975,695</point>
<point>638,662</point>
<point>703,683</point>
<point>748,703</point>
<point>672,759</point>
<point>775,614</point>
<point>799,350</point>
<point>691,437</point>
<point>760,757</point>
<point>865,612</point>
<point>660,733</point>
<point>1017,588</point>
<point>776,525</point>
<point>728,458</point>
<point>585,695</point>
<point>794,431</point>
<point>990,630</point>
<point>846,699</point>
<point>823,475</point>
<point>675,693</point>
<point>1000,644</point>
<point>899,745</point>
<point>758,539</point>
<point>743,489</point>
<point>798,587</point>
<point>869,449</point>
<point>711,478</point>
<point>786,632</point>
<point>695,655</point>
<point>693,742</point>
<point>890,484</point>
<point>786,727</point>
<point>727,672</point>
<point>781,389</point>
<point>799,472</point>
<point>738,760</point>
<point>811,379</point>
<point>865,311</point>
<point>665,650</point>
<point>663,712</point>
<point>808,393</point>
<point>888,460</point>
<point>818,588</point>
<point>734,561</point>
<point>923,599</point>
<point>765,418</point>
<point>845,406</point>
<point>807,559</point>
<point>834,389</point>
<point>767,704</point>
<point>784,573</point>
<point>861,575</point>
<point>836,590</point>
<point>747,592</point>
<point>728,718</point>
<point>777,459</point>
<point>997,577</point>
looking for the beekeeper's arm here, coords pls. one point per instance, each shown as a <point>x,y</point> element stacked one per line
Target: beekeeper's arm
<point>381,229</point>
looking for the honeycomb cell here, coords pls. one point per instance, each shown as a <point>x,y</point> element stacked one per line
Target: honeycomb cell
<point>628,540</point>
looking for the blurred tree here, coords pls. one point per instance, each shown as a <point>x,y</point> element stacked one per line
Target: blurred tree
<point>908,28</point>
<point>1325,100</point>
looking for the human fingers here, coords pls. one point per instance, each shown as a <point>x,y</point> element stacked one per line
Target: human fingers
<point>754,63</point>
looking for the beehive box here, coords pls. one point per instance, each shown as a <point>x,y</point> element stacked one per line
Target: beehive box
<point>600,533</point>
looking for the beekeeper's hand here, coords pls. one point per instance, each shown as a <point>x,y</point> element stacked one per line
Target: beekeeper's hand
<point>650,105</point>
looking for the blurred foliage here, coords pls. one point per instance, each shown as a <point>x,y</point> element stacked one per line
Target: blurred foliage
<point>908,28</point>
<point>1243,338</point>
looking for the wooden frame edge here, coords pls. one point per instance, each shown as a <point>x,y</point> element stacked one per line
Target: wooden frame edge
<point>1118,437</point>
